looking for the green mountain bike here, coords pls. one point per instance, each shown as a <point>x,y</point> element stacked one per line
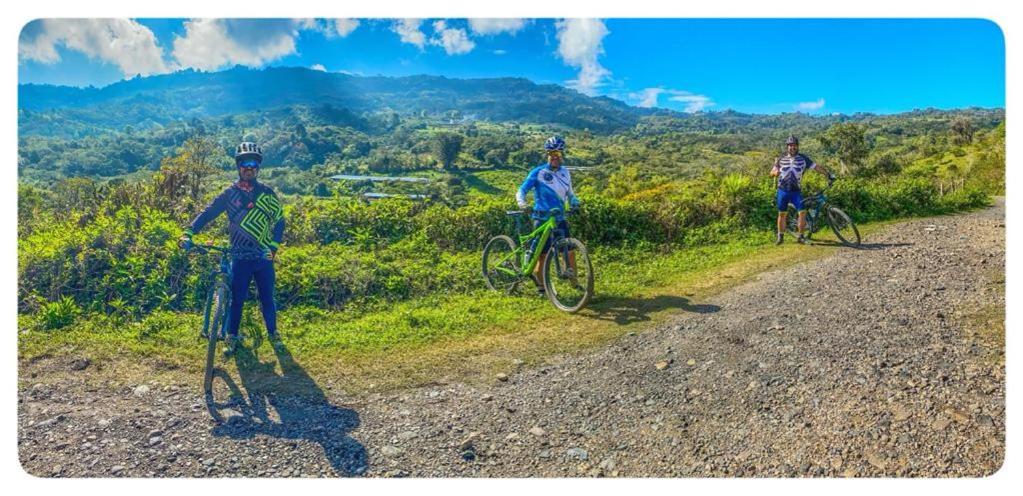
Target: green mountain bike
<point>566,273</point>
<point>818,210</point>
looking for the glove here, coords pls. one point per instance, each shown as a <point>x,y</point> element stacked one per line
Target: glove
<point>528,210</point>
<point>574,209</point>
<point>831,177</point>
<point>185,241</point>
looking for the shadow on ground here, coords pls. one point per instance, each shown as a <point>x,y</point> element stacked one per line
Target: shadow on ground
<point>622,311</point>
<point>862,246</point>
<point>289,405</point>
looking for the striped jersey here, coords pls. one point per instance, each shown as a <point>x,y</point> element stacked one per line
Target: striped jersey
<point>255,219</point>
<point>790,170</point>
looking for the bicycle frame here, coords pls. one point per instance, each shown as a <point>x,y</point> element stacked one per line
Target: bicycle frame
<point>820,200</point>
<point>224,267</point>
<point>543,232</point>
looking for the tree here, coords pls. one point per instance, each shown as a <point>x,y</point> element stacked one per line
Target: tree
<point>962,131</point>
<point>182,175</point>
<point>847,142</point>
<point>446,147</point>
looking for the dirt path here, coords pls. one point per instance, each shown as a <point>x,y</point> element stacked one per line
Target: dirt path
<point>870,362</point>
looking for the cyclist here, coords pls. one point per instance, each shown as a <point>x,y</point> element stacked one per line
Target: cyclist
<point>551,185</point>
<point>256,227</point>
<point>789,169</point>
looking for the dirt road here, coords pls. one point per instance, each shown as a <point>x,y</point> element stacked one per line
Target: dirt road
<point>870,362</point>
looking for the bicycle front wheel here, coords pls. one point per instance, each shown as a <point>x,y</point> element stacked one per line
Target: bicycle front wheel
<point>501,264</point>
<point>843,227</point>
<point>568,275</point>
<point>216,312</point>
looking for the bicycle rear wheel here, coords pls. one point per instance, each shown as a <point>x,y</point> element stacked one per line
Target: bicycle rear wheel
<point>213,325</point>
<point>792,221</point>
<point>501,268</point>
<point>568,288</point>
<point>843,227</point>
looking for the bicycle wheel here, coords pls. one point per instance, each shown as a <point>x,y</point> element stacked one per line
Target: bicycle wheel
<point>792,221</point>
<point>568,288</point>
<point>501,268</point>
<point>217,311</point>
<point>843,227</point>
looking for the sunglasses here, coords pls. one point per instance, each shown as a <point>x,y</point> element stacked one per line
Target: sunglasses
<point>249,164</point>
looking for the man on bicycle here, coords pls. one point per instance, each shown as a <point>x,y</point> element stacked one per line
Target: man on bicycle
<point>256,227</point>
<point>789,169</point>
<point>551,185</point>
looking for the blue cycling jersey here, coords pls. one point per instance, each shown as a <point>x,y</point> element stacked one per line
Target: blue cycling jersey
<point>551,189</point>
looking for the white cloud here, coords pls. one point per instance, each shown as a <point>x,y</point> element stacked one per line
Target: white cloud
<point>341,27</point>
<point>500,52</point>
<point>648,97</point>
<point>579,45</point>
<point>693,102</point>
<point>318,67</point>
<point>214,43</point>
<point>496,26</point>
<point>409,32</point>
<point>123,42</point>
<point>454,41</point>
<point>810,106</point>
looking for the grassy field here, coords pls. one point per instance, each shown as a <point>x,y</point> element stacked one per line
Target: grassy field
<point>441,338</point>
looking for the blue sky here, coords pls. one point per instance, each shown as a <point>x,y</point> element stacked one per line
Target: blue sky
<point>749,65</point>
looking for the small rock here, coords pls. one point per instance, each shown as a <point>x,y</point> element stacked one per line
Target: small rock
<point>153,441</point>
<point>390,450</point>
<point>104,422</point>
<point>467,442</point>
<point>537,431</point>
<point>116,469</point>
<point>608,464</point>
<point>155,433</point>
<point>407,435</point>
<point>209,461</point>
<point>691,362</point>
<point>80,364</point>
<point>876,460</point>
<point>836,462</point>
<point>141,390</point>
<point>57,469</point>
<point>901,413</point>
<point>502,377</point>
<point>487,397</point>
<point>661,365</point>
<point>511,437</point>
<point>576,454</point>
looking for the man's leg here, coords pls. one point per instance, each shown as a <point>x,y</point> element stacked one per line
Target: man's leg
<point>797,201</point>
<point>241,274</point>
<point>782,203</point>
<point>265,280</point>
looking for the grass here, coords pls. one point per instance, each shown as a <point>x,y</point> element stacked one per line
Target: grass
<point>440,338</point>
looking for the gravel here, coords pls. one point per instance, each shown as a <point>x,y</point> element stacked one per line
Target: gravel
<point>854,365</point>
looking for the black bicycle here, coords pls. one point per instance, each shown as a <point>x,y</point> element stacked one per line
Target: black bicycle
<point>818,210</point>
<point>215,318</point>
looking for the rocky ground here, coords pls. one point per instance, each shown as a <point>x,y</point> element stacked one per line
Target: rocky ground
<point>865,363</point>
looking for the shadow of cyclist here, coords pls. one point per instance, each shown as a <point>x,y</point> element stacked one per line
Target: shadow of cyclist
<point>624,311</point>
<point>291,405</point>
<point>861,246</point>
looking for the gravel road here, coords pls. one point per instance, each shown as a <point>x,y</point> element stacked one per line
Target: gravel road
<point>863,363</point>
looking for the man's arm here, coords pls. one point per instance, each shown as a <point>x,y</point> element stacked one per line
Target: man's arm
<point>528,184</point>
<point>215,208</point>
<point>573,201</point>
<point>820,169</point>
<point>777,168</point>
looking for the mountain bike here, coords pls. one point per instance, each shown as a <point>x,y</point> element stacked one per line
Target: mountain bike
<point>566,275</point>
<point>214,319</point>
<point>818,211</point>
